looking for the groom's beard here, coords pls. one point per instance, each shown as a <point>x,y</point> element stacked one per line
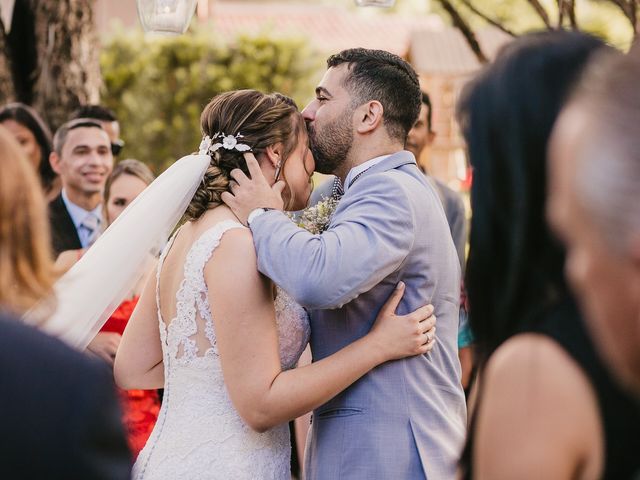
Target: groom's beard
<point>331,145</point>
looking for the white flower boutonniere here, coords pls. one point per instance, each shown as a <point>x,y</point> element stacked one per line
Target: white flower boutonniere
<point>316,219</point>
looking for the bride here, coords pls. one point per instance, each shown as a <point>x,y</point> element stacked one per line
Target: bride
<point>215,333</point>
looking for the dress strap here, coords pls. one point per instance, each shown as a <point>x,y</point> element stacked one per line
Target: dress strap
<point>163,255</point>
<point>203,248</point>
<point>191,297</point>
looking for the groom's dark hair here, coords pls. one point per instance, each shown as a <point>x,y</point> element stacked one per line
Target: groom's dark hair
<point>387,78</point>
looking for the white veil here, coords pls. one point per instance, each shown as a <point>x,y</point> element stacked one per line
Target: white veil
<point>94,287</point>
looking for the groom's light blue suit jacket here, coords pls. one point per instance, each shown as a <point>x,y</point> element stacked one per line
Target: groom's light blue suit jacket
<point>405,419</point>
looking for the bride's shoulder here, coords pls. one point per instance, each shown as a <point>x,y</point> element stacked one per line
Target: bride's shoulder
<point>232,240</point>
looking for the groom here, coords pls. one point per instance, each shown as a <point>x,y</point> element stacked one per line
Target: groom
<point>405,419</point>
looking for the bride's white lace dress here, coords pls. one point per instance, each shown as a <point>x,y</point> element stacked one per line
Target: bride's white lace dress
<point>199,434</point>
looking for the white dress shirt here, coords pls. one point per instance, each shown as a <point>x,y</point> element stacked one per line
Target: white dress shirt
<point>355,171</point>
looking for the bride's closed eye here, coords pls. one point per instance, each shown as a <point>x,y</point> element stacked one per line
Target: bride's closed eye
<point>119,202</point>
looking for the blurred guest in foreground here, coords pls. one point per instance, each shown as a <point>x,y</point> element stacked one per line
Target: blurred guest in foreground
<point>34,138</point>
<point>593,204</point>
<point>546,407</point>
<point>141,407</point>
<point>61,418</point>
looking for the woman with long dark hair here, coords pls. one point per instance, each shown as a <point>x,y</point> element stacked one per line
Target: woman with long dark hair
<point>34,138</point>
<point>546,407</point>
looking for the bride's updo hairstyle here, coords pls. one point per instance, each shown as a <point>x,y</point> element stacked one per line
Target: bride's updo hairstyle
<point>262,120</point>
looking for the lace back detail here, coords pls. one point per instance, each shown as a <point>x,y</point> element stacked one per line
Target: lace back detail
<point>190,334</point>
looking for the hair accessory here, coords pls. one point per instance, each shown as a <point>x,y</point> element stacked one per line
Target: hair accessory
<point>229,142</point>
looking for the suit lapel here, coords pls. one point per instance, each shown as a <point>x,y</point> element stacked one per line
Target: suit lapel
<point>64,235</point>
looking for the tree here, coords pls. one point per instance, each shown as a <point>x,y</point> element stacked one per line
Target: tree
<point>7,90</point>
<point>49,58</point>
<point>159,86</point>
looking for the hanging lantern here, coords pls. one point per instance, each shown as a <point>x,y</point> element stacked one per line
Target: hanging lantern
<point>375,3</point>
<point>166,16</point>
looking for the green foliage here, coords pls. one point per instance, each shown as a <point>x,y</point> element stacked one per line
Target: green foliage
<point>158,86</point>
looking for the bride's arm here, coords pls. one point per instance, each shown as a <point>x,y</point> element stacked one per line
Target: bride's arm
<point>138,362</point>
<point>244,318</point>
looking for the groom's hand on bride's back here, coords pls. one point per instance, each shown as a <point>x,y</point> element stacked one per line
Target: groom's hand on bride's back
<point>401,336</point>
<point>247,194</point>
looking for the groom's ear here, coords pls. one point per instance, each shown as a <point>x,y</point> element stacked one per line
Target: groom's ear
<point>369,116</point>
<point>274,153</point>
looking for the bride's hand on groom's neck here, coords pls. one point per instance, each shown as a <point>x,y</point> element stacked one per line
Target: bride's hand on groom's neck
<point>248,194</point>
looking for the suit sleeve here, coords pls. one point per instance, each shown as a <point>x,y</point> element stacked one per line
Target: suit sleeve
<point>105,453</point>
<point>458,226</point>
<point>370,235</point>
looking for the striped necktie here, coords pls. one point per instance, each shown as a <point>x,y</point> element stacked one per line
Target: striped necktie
<point>91,224</point>
<point>336,190</point>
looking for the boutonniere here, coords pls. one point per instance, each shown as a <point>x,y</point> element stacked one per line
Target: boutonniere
<point>316,219</point>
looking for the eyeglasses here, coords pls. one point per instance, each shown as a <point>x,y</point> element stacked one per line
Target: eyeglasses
<point>116,147</point>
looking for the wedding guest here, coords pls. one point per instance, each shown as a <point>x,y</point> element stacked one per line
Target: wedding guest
<point>34,138</point>
<point>593,204</point>
<point>26,270</point>
<point>83,159</point>
<point>107,119</point>
<point>141,407</point>
<point>61,417</point>
<point>546,407</point>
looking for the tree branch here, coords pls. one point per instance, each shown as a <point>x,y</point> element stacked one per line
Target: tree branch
<point>68,73</point>
<point>495,23</point>
<point>630,10</point>
<point>625,8</point>
<point>465,29</point>
<point>542,13</point>
<point>560,13</point>
<point>571,10</point>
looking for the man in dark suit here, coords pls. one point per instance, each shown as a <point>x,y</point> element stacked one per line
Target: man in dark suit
<point>61,419</point>
<point>83,158</point>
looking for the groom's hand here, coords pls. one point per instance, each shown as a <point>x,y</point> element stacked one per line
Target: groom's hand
<point>247,194</point>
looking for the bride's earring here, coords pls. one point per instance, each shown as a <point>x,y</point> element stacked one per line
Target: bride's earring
<point>278,169</point>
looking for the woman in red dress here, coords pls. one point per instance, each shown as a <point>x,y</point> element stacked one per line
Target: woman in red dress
<point>140,407</point>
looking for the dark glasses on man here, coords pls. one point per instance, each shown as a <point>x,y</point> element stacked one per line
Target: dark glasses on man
<point>116,147</point>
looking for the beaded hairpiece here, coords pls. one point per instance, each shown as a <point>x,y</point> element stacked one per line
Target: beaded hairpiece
<point>229,142</point>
